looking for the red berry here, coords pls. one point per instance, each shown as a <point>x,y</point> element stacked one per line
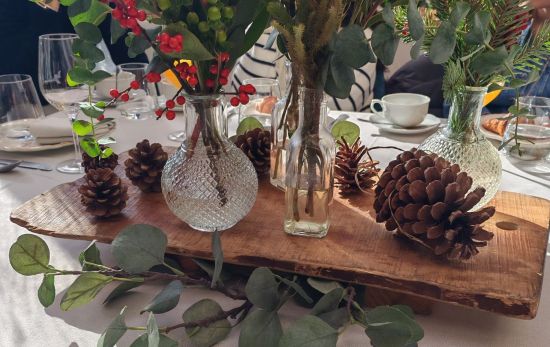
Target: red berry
<point>180,100</point>
<point>224,57</point>
<point>225,72</point>
<point>243,98</point>
<point>141,15</point>
<point>234,101</point>
<point>193,81</point>
<point>158,112</point>
<point>223,81</point>
<point>170,103</point>
<point>214,69</point>
<point>170,115</point>
<point>100,118</point>
<point>116,13</point>
<point>134,85</point>
<point>114,93</point>
<point>125,97</point>
<point>132,12</point>
<point>209,83</point>
<point>249,89</point>
<point>192,70</point>
<point>136,30</point>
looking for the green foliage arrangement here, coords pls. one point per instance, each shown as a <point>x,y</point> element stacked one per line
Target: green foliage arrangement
<point>139,251</point>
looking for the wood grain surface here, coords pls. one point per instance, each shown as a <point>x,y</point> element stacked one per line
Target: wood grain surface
<point>505,278</point>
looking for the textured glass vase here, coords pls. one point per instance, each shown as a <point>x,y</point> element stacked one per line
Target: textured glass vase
<point>310,169</point>
<point>208,183</point>
<point>462,142</point>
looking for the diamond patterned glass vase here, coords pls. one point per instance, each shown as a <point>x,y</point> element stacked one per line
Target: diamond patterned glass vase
<point>462,142</point>
<point>208,183</point>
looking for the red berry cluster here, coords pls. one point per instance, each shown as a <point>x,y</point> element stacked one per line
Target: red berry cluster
<point>170,104</point>
<point>115,94</point>
<point>127,15</point>
<point>170,44</point>
<point>219,72</point>
<point>188,73</point>
<point>153,77</point>
<point>243,98</point>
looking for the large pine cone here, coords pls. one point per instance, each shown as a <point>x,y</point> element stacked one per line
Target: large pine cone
<point>97,163</point>
<point>424,197</point>
<point>144,167</point>
<point>350,174</point>
<point>103,193</point>
<point>256,144</point>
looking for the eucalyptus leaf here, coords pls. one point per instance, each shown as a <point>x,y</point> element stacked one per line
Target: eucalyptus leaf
<point>459,12</point>
<point>262,289</point>
<point>444,43</point>
<point>167,299</point>
<point>384,43</point>
<point>211,334</point>
<point>388,16</point>
<point>95,13</point>
<point>336,318</point>
<point>390,326</point>
<point>489,62</point>
<point>153,335</point>
<point>46,291</point>
<point>100,75</point>
<point>329,302</point>
<point>339,80</point>
<point>261,328</point>
<point>217,252</point>
<point>248,124</point>
<point>416,49</point>
<point>297,288</point>
<point>114,331</point>
<point>123,289</point>
<point>323,286</point>
<point>352,48</point>
<point>416,24</point>
<point>139,247</point>
<point>479,33</point>
<point>116,31</point>
<point>88,32</point>
<point>346,129</point>
<point>309,331</point>
<point>82,127</point>
<point>91,255</point>
<point>29,255</point>
<point>164,341</point>
<point>84,289</point>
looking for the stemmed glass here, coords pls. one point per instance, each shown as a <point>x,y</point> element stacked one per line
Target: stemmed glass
<point>140,105</point>
<point>55,60</point>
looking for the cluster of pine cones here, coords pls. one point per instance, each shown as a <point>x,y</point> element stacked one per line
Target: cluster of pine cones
<point>103,192</point>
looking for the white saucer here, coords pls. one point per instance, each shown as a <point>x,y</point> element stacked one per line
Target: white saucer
<point>431,122</point>
<point>489,134</point>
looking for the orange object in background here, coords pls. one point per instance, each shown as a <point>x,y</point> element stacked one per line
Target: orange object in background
<point>489,97</point>
<point>171,77</point>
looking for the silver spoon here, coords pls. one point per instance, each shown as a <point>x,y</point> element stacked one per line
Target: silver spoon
<point>9,167</point>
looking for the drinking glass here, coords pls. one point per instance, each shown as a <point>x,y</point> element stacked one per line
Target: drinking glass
<point>268,92</point>
<point>533,130</point>
<point>55,60</point>
<point>140,105</point>
<point>19,104</point>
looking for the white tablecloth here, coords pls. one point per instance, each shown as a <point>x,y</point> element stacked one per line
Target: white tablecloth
<point>25,323</point>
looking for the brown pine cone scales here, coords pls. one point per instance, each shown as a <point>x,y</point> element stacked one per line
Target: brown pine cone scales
<point>424,197</point>
<point>103,193</point>
<point>144,167</point>
<point>352,175</point>
<point>97,163</point>
<point>256,144</point>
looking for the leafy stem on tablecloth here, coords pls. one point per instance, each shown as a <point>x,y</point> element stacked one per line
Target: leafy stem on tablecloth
<point>139,251</point>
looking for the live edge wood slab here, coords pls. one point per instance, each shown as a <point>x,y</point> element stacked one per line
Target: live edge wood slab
<point>505,278</point>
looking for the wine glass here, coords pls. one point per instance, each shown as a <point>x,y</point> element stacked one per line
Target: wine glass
<point>55,60</point>
<point>268,92</point>
<point>19,105</point>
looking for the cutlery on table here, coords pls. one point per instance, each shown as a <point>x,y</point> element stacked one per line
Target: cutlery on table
<point>27,164</point>
<point>9,167</point>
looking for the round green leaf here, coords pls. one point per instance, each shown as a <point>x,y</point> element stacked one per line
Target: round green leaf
<point>139,247</point>
<point>261,328</point>
<point>46,291</point>
<point>88,32</point>
<point>384,43</point>
<point>323,286</point>
<point>211,334</point>
<point>261,289</point>
<point>416,24</point>
<point>123,289</point>
<point>90,146</point>
<point>164,341</point>
<point>114,331</point>
<point>346,129</point>
<point>167,299</point>
<point>390,326</point>
<point>84,289</point>
<point>328,302</point>
<point>352,48</point>
<point>309,331</point>
<point>247,124</point>
<point>29,255</point>
<point>153,336</point>
<point>82,127</point>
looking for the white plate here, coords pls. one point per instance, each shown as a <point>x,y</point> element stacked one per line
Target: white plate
<point>489,134</point>
<point>15,145</point>
<point>431,122</point>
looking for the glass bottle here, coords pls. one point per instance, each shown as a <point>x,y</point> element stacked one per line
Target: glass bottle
<point>463,143</point>
<point>208,183</point>
<point>310,169</point>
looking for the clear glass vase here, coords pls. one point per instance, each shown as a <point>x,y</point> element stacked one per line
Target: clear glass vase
<point>208,183</point>
<point>310,169</point>
<point>462,142</point>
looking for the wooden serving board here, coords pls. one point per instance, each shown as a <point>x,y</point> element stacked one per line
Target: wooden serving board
<point>505,278</point>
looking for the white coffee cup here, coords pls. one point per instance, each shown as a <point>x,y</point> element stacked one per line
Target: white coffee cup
<point>120,82</point>
<point>406,110</point>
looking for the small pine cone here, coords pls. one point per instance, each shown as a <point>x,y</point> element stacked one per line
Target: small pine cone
<point>350,174</point>
<point>103,193</point>
<point>144,167</point>
<point>97,163</point>
<point>256,145</point>
<point>426,198</point>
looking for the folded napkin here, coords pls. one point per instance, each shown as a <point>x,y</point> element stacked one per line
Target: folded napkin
<point>52,130</point>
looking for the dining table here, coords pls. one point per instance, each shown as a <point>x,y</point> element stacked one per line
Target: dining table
<point>26,323</point>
